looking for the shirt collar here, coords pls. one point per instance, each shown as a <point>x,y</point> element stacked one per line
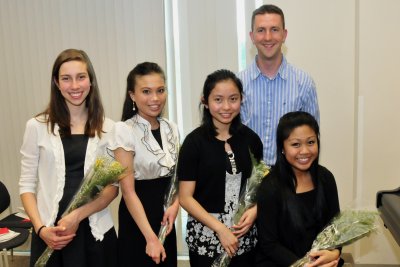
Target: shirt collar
<point>140,119</point>
<point>282,71</point>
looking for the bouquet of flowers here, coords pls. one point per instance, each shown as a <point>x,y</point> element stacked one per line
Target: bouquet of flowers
<point>169,199</point>
<point>344,229</point>
<point>105,171</point>
<point>247,199</point>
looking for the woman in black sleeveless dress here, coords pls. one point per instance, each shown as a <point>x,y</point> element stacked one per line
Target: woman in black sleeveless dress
<point>59,146</point>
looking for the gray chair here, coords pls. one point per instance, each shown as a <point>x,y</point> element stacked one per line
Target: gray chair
<point>388,204</point>
<point>11,244</point>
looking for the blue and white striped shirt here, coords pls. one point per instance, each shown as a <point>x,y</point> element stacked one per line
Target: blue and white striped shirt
<point>267,100</point>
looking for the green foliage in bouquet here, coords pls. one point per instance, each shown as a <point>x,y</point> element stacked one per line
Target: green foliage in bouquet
<point>248,196</point>
<point>247,199</point>
<point>346,228</point>
<point>104,172</point>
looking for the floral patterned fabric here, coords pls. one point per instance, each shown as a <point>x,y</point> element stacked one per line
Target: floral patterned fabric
<point>204,241</point>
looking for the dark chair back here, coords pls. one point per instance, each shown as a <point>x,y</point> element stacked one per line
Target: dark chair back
<point>4,197</point>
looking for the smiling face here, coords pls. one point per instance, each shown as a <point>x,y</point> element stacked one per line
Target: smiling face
<point>224,103</point>
<point>150,96</point>
<point>74,83</point>
<point>268,35</point>
<point>301,149</point>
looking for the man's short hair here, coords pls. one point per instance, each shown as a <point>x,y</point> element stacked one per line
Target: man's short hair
<point>267,9</point>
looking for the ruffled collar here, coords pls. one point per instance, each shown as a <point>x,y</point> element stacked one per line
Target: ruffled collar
<point>168,156</point>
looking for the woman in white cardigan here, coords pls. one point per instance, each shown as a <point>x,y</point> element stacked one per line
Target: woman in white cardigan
<point>59,146</point>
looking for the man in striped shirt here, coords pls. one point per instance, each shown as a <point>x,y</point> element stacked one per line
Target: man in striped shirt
<point>272,86</point>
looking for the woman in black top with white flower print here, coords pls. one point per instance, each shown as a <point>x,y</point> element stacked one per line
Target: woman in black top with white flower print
<point>147,145</point>
<point>214,163</point>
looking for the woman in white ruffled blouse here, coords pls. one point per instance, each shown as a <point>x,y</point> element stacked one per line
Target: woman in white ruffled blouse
<point>146,144</point>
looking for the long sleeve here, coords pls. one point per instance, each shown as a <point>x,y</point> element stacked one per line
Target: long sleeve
<point>269,221</point>
<point>30,159</point>
<point>309,98</point>
<point>331,194</point>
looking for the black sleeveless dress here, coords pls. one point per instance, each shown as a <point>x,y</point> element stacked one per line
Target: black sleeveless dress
<point>83,250</point>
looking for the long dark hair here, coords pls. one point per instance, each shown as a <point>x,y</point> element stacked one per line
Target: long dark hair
<point>57,111</point>
<point>141,69</point>
<point>209,84</point>
<point>284,171</point>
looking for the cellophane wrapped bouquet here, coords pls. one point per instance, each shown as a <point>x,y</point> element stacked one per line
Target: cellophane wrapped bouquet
<point>169,199</point>
<point>105,171</point>
<point>247,199</point>
<point>344,229</point>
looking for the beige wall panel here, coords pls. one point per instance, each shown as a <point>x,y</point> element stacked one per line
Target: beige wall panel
<point>379,89</point>
<point>321,37</point>
<point>208,42</point>
<point>116,35</point>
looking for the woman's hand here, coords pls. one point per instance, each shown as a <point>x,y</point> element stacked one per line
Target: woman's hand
<point>325,258</point>
<point>246,222</point>
<point>51,236</point>
<point>155,250</point>
<point>70,223</point>
<point>170,216</point>
<point>228,240</point>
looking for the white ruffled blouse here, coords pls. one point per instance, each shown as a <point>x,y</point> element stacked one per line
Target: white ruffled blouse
<point>150,160</point>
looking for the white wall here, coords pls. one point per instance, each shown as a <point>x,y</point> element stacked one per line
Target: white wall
<point>350,47</point>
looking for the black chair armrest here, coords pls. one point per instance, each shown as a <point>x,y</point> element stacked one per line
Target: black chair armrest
<point>380,193</point>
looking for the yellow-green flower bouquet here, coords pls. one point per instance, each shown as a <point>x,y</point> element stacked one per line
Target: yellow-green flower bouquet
<point>104,172</point>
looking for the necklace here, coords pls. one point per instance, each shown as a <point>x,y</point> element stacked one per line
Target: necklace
<point>231,158</point>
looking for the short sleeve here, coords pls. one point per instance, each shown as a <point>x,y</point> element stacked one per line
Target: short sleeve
<point>188,160</point>
<point>121,136</point>
<point>256,145</point>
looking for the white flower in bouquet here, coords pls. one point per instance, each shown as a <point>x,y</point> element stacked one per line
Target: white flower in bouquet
<point>344,229</point>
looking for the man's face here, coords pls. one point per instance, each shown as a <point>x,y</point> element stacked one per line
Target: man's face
<point>268,35</point>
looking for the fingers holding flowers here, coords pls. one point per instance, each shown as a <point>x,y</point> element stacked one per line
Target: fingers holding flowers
<point>170,216</point>
<point>70,223</point>
<point>324,258</point>
<point>246,222</point>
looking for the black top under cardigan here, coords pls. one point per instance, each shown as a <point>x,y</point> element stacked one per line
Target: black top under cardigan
<point>280,244</point>
<point>203,159</point>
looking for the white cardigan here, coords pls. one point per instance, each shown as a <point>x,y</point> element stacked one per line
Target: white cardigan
<point>43,171</point>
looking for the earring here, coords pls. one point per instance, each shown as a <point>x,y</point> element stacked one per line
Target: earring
<point>134,107</point>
